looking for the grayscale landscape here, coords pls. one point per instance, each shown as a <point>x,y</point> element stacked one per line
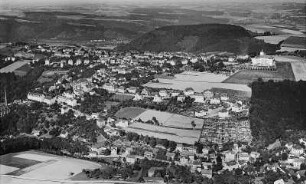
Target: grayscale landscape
<point>135,91</point>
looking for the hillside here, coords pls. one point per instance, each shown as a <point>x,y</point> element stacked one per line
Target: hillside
<point>199,38</point>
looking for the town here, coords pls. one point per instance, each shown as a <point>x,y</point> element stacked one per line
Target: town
<point>124,110</point>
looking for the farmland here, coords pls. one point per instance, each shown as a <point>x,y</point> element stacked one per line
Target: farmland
<point>199,81</point>
<point>284,71</point>
<point>12,67</point>
<point>171,134</point>
<point>169,119</point>
<point>42,166</point>
<point>129,112</point>
<point>274,39</point>
<point>298,66</point>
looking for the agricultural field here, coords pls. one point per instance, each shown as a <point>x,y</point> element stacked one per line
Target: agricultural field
<point>284,71</point>
<point>171,134</point>
<point>274,39</point>
<point>12,67</point>
<point>199,81</point>
<point>295,42</point>
<point>129,112</point>
<point>41,166</point>
<point>169,119</point>
<point>298,65</point>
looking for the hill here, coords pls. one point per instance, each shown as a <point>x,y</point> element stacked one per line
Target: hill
<point>199,38</point>
<point>276,108</point>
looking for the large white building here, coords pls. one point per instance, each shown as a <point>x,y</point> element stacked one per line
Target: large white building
<point>263,60</point>
<point>41,98</point>
<point>65,100</point>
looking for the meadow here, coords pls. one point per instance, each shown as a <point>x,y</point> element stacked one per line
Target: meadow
<point>129,112</point>
<point>199,81</point>
<point>298,65</point>
<point>171,134</point>
<point>42,166</point>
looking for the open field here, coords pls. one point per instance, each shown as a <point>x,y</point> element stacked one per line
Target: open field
<point>295,42</point>
<point>199,81</point>
<point>129,112</point>
<point>171,134</point>
<point>4,169</point>
<point>298,65</point>
<point>12,67</point>
<point>170,119</point>
<point>284,71</point>
<point>38,165</point>
<point>274,39</point>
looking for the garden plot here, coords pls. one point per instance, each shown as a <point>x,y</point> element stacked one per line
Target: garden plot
<point>298,66</point>
<point>36,157</point>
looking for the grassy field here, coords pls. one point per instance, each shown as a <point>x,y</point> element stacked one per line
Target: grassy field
<point>171,134</point>
<point>298,66</point>
<point>38,165</point>
<point>14,161</point>
<point>274,39</point>
<point>170,119</point>
<point>199,81</point>
<point>129,112</point>
<point>284,71</point>
<point>14,66</point>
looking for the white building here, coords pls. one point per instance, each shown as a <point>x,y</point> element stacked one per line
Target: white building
<point>263,60</point>
<point>65,100</point>
<point>215,101</point>
<point>200,114</point>
<point>157,99</point>
<point>109,87</point>
<point>188,92</point>
<point>138,97</point>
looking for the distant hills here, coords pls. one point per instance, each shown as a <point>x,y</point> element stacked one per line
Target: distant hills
<point>199,38</point>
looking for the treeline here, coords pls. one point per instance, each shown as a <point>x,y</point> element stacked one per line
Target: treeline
<point>54,145</point>
<point>18,87</point>
<point>276,108</point>
<point>152,141</point>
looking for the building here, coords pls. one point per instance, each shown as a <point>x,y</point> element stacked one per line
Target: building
<point>66,100</point>
<point>297,150</point>
<point>263,60</point>
<point>215,101</point>
<point>188,92</point>
<point>157,99</point>
<point>109,87</point>
<point>208,95</point>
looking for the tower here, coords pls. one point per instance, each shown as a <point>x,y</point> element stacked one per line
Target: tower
<point>5,98</point>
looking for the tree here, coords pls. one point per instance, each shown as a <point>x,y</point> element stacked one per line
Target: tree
<point>153,142</point>
<point>193,124</point>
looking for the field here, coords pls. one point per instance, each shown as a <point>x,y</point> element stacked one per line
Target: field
<point>170,119</point>
<point>171,134</point>
<point>284,71</point>
<point>298,66</point>
<point>38,166</point>
<point>129,112</point>
<point>275,39</point>
<point>199,81</point>
<point>14,66</point>
<point>295,42</point>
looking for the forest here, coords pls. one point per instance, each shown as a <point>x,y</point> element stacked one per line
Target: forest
<point>277,109</point>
